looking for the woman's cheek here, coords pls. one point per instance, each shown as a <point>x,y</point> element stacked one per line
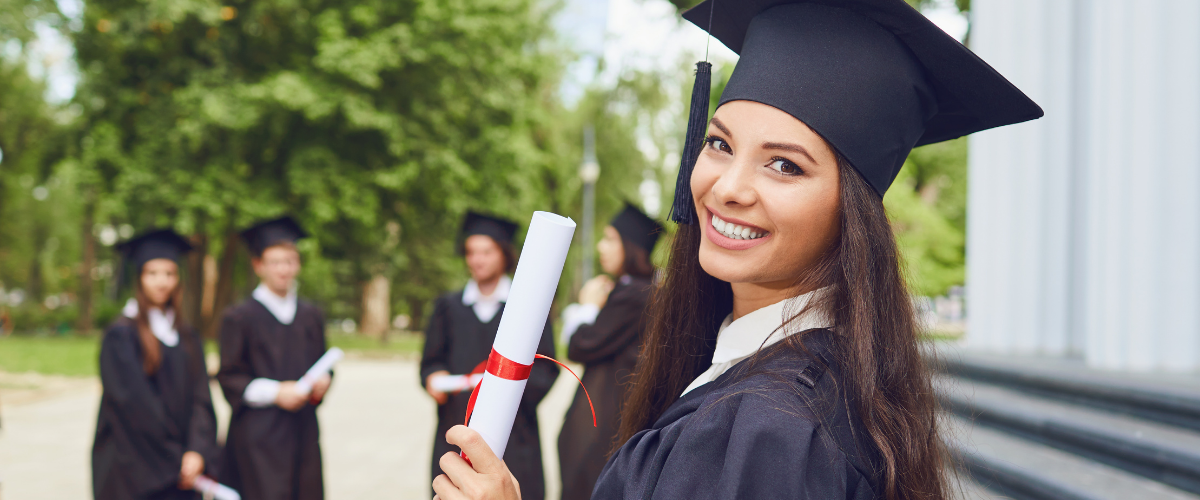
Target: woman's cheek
<point>702,181</point>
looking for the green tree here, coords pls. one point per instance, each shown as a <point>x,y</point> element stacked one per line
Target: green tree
<point>357,117</point>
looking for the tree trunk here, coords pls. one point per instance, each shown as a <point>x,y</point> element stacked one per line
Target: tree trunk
<point>416,312</point>
<point>193,291</point>
<point>209,298</point>
<point>224,287</point>
<point>83,324</point>
<point>376,306</point>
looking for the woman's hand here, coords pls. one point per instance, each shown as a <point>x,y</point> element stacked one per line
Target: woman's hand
<point>190,469</point>
<point>319,388</point>
<point>437,395</point>
<point>288,398</point>
<point>489,479</point>
<point>596,290</point>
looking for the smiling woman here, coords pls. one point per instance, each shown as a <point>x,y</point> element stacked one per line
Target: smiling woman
<point>781,358</point>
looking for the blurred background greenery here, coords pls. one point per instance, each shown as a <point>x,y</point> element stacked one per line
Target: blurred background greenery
<point>378,123</point>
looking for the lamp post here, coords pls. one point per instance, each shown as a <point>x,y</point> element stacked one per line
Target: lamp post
<point>589,171</point>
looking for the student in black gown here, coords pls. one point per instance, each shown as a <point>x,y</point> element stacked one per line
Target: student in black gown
<point>459,337</point>
<point>268,342</point>
<point>782,357</point>
<point>156,431</point>
<point>604,333</point>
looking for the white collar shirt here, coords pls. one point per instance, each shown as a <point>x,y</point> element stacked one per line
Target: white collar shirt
<point>283,308</point>
<point>741,338</point>
<point>486,306</point>
<point>162,325</point>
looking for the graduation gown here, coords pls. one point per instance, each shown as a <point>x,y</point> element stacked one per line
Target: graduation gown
<point>457,341</point>
<point>147,422</point>
<point>270,453</point>
<point>608,349</point>
<point>778,428</point>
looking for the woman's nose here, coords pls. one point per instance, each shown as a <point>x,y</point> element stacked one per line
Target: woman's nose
<point>735,185</point>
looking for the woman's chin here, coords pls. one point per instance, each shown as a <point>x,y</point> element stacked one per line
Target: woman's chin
<point>723,266</point>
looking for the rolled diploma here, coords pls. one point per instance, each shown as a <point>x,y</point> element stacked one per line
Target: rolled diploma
<point>322,367</point>
<point>454,383</point>
<point>207,486</point>
<point>525,313</point>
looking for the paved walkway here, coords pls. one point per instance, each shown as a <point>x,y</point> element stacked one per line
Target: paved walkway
<point>377,433</point>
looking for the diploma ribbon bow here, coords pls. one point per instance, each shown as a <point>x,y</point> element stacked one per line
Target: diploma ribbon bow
<point>502,367</point>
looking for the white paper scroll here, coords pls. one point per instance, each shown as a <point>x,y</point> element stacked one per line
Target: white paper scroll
<point>322,367</point>
<point>454,383</point>
<point>525,313</point>
<point>212,489</point>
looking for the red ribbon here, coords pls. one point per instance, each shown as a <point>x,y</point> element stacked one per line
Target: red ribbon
<point>507,369</point>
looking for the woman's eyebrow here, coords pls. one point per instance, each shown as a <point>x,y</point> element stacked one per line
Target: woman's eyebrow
<point>717,123</point>
<point>783,146</point>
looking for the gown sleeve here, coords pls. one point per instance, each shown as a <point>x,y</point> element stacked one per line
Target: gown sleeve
<point>615,327</point>
<point>202,434</point>
<point>544,372</point>
<point>754,443</point>
<point>435,354</point>
<point>235,373</point>
<point>157,442</point>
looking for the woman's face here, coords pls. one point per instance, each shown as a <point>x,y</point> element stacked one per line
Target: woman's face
<point>766,188</point>
<point>159,279</point>
<point>485,259</point>
<point>612,252</point>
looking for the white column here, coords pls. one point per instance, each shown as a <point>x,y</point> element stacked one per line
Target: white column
<point>1143,144</point>
<point>1020,185</point>
<point>1084,226</point>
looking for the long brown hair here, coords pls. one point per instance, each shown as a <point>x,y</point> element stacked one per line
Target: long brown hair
<point>151,352</point>
<point>877,345</point>
<point>637,260</point>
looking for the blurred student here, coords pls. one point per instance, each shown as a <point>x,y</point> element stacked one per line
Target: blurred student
<point>459,337</point>
<point>156,431</point>
<point>604,332</point>
<point>267,343</point>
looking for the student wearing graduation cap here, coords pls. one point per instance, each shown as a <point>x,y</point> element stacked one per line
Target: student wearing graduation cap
<point>782,357</point>
<point>156,432</point>
<point>268,342</point>
<point>459,337</point>
<point>604,333</point>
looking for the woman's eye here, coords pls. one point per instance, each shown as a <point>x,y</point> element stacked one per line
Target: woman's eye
<point>718,144</point>
<point>785,167</point>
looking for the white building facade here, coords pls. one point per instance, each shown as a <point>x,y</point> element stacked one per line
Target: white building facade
<point>1083,235</point>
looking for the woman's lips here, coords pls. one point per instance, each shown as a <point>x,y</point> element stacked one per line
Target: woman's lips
<point>726,242</point>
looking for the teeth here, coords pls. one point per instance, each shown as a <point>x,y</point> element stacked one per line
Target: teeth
<point>735,231</point>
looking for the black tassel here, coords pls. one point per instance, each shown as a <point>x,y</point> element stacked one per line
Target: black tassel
<point>683,210</point>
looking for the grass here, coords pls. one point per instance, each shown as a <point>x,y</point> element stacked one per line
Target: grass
<point>406,344</point>
<point>69,355</point>
<point>79,356</point>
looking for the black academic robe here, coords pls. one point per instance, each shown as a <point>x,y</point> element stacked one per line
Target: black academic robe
<point>608,350</point>
<point>270,453</point>
<point>456,341</point>
<point>147,422</point>
<point>777,427</point>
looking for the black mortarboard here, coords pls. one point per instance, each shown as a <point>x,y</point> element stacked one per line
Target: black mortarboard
<point>501,230</point>
<point>157,244</point>
<point>264,235</point>
<point>637,227</point>
<point>875,78</point>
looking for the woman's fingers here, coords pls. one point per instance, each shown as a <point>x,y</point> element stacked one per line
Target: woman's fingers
<point>446,490</point>
<point>456,468</point>
<point>472,444</point>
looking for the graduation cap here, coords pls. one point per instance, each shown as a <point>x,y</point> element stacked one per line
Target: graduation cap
<point>875,78</point>
<point>637,227</point>
<point>264,235</point>
<point>143,248</point>
<point>501,230</point>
